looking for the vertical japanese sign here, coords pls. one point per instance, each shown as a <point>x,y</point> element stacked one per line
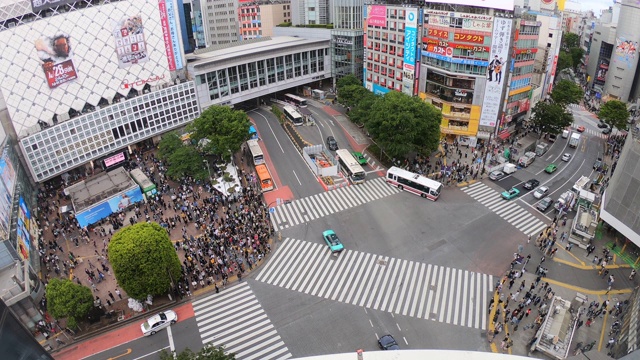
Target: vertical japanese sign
<point>166,34</point>
<point>410,45</point>
<point>173,32</point>
<point>498,57</point>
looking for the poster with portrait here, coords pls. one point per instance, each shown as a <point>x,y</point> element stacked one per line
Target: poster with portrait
<point>626,50</point>
<point>131,46</point>
<point>56,55</point>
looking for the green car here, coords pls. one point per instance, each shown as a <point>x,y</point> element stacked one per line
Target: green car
<point>510,194</point>
<point>359,158</point>
<point>332,240</point>
<point>551,168</point>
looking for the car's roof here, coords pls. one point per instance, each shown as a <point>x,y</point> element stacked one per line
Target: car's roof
<point>547,199</point>
<point>328,232</point>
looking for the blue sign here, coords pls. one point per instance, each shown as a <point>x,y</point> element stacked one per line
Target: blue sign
<point>272,210</point>
<point>455,60</point>
<point>106,208</point>
<point>410,40</point>
<point>379,90</point>
<point>173,31</point>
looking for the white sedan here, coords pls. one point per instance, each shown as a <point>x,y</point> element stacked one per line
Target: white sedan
<point>158,322</point>
<point>540,192</point>
<point>566,157</point>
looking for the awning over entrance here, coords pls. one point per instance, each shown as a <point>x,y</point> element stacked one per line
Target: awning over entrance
<point>504,135</point>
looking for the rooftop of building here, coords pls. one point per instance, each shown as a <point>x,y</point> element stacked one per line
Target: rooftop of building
<point>418,355</point>
<point>101,187</point>
<point>247,47</point>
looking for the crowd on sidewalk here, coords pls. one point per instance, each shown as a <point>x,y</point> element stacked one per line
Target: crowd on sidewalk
<point>216,236</point>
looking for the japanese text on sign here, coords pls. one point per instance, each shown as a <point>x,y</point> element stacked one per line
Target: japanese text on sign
<point>478,39</point>
<point>443,34</point>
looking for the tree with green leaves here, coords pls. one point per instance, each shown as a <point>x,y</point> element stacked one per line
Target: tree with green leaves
<point>615,114</point>
<point>351,95</point>
<point>402,124</point>
<point>220,130</point>
<point>564,61</point>
<point>348,80</point>
<point>570,40</point>
<point>550,118</point>
<point>66,299</point>
<point>144,260</point>
<point>566,92</point>
<point>187,161</point>
<point>169,143</point>
<point>576,54</point>
<point>208,352</point>
<point>360,112</point>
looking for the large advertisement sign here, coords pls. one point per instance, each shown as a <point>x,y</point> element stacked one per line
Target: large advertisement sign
<point>56,54</point>
<point>410,45</point>
<point>5,212</point>
<point>7,172</point>
<point>626,51</point>
<point>131,46</point>
<point>173,33</point>
<point>23,230</point>
<point>495,4</point>
<point>39,5</point>
<point>108,207</point>
<point>166,34</point>
<point>499,56</point>
<point>377,15</point>
<point>66,62</point>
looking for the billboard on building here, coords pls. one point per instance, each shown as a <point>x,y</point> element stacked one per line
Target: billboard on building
<point>23,230</point>
<point>626,51</point>
<point>498,61</point>
<point>376,15</point>
<point>80,58</point>
<point>173,34</point>
<point>114,204</point>
<point>410,45</point>
<point>7,172</point>
<point>5,212</point>
<point>495,4</point>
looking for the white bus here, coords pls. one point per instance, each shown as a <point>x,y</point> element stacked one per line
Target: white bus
<point>350,167</point>
<point>295,100</point>
<point>292,115</point>
<point>414,183</point>
<point>148,188</point>
<point>256,152</point>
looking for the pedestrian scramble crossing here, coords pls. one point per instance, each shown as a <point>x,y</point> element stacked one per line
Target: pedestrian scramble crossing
<point>577,107</point>
<point>320,205</point>
<point>510,211</point>
<point>410,288</point>
<point>235,319</point>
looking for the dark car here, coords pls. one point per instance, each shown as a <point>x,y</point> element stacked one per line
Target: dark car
<point>606,131</point>
<point>544,204</point>
<point>332,143</point>
<point>387,342</point>
<point>602,125</point>
<point>531,184</point>
<point>597,164</point>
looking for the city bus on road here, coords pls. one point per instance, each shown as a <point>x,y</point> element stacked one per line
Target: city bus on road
<point>414,183</point>
<point>295,100</point>
<point>350,166</point>
<point>293,116</point>
<point>264,176</point>
<point>253,134</point>
<point>256,152</point>
<point>147,187</point>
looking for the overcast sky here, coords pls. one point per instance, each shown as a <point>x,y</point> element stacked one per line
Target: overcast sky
<point>595,5</point>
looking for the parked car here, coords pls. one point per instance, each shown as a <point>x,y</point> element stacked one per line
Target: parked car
<point>359,158</point>
<point>510,194</point>
<point>606,131</point>
<point>531,184</point>
<point>332,143</point>
<point>332,240</point>
<point>544,204</point>
<point>602,125</point>
<point>551,168</point>
<point>566,157</point>
<point>496,175</point>
<point>158,322</point>
<point>387,342</point>
<point>540,192</point>
<point>598,163</point>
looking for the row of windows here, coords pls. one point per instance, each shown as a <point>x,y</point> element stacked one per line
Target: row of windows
<point>526,43</point>
<point>232,80</point>
<point>459,68</point>
<point>522,70</point>
<point>529,30</point>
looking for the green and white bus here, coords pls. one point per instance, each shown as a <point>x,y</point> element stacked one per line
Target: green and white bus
<point>148,188</point>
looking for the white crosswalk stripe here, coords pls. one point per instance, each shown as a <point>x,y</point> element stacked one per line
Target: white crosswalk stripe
<point>403,287</point>
<point>316,206</point>
<point>235,319</point>
<point>577,107</point>
<point>510,211</point>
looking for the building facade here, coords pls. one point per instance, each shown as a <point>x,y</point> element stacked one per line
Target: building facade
<point>257,19</point>
<point>311,12</point>
<point>347,38</point>
<point>220,21</point>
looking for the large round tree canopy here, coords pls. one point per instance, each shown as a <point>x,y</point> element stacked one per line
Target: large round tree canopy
<point>144,260</point>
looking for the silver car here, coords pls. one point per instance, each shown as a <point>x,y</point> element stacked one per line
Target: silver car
<point>496,175</point>
<point>158,322</point>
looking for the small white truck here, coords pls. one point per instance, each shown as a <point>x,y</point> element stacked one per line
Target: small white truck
<point>575,140</point>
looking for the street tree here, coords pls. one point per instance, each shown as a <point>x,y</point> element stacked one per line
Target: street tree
<point>208,352</point>
<point>550,118</point>
<point>566,92</point>
<point>144,260</point>
<point>348,80</point>
<point>615,114</point>
<point>576,56</point>
<point>169,143</point>
<point>402,124</point>
<point>187,161</point>
<point>66,299</point>
<point>360,112</point>
<point>565,61</point>
<point>351,95</point>
<point>220,130</point>
<point>570,40</point>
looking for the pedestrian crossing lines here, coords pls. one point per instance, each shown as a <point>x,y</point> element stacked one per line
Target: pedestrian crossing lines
<point>316,206</point>
<point>577,107</point>
<point>409,288</point>
<point>595,133</point>
<point>234,319</point>
<point>510,211</point>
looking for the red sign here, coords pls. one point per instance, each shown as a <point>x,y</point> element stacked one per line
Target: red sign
<point>443,34</point>
<point>455,45</point>
<point>525,51</point>
<point>478,39</point>
<point>164,21</point>
<point>440,50</point>
<point>140,82</point>
<point>60,73</point>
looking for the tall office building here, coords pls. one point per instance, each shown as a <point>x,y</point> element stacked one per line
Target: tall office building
<point>311,12</point>
<point>347,38</point>
<point>220,21</point>
<point>258,18</point>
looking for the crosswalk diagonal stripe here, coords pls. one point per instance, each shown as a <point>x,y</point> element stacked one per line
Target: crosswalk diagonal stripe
<point>458,297</point>
<point>411,293</point>
<point>316,274</point>
<point>366,280</point>
<point>350,194</point>
<point>284,260</point>
<point>317,207</point>
<point>314,258</point>
<point>300,211</point>
<point>425,291</point>
<point>338,269</point>
<point>309,209</point>
<point>287,216</point>
<point>331,204</point>
<point>384,287</point>
<point>407,288</point>
<point>288,279</point>
<point>357,281</point>
<point>381,274</point>
<point>443,305</point>
<point>360,192</point>
<point>234,291</point>
<point>371,280</point>
<point>392,289</point>
<point>271,264</point>
<point>346,276</point>
<point>527,223</point>
<point>336,200</point>
<point>504,210</point>
<point>464,297</point>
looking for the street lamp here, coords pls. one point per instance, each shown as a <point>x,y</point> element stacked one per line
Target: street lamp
<point>208,168</point>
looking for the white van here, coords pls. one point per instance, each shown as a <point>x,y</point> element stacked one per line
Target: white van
<point>565,134</point>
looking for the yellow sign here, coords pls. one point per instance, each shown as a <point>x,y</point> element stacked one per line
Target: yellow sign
<point>520,91</point>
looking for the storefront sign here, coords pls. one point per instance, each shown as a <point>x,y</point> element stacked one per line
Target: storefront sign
<point>478,39</point>
<point>443,43</point>
<point>443,34</point>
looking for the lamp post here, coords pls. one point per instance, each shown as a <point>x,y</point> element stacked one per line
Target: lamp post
<point>208,168</point>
